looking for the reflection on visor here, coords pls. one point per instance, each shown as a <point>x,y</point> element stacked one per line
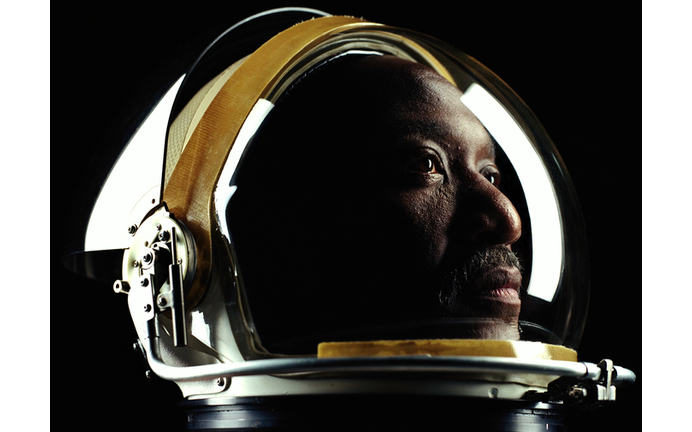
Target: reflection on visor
<point>137,173</point>
<point>545,219</point>
<point>226,188</point>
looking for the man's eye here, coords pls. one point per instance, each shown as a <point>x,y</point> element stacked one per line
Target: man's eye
<point>492,176</point>
<point>427,165</point>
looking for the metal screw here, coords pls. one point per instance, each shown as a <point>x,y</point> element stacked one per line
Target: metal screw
<point>132,229</point>
<point>148,258</point>
<point>158,227</point>
<point>144,282</point>
<point>147,308</point>
<point>162,301</point>
<point>135,264</point>
<point>221,382</point>
<point>164,236</point>
<point>577,393</point>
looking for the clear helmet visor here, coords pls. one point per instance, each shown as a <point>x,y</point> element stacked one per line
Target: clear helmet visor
<point>367,184</point>
<point>389,187</point>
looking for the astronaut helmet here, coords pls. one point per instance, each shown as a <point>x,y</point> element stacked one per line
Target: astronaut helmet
<point>349,208</point>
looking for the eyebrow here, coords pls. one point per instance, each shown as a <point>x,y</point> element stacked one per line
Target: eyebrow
<point>437,131</point>
<point>423,128</point>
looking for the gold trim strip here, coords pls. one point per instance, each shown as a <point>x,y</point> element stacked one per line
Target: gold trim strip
<point>447,347</point>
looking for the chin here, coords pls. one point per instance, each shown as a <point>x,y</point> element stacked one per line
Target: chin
<point>484,320</point>
<point>498,331</point>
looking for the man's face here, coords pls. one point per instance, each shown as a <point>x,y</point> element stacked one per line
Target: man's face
<point>437,187</point>
<point>399,217</point>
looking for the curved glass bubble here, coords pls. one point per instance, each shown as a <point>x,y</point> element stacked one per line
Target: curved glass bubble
<point>348,212</point>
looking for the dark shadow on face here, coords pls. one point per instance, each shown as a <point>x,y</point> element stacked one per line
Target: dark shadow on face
<point>368,208</point>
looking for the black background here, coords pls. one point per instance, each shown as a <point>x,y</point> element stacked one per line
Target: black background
<point>577,66</point>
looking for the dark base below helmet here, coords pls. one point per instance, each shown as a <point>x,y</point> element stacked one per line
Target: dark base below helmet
<point>372,413</point>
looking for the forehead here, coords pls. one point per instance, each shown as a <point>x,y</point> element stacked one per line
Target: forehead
<point>366,105</point>
<point>422,106</point>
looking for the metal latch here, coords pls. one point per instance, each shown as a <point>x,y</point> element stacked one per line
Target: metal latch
<point>586,393</point>
<point>156,266</point>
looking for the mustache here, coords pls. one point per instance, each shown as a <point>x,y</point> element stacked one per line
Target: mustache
<point>482,261</point>
<point>470,271</point>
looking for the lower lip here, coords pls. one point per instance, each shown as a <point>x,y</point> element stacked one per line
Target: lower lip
<point>504,294</point>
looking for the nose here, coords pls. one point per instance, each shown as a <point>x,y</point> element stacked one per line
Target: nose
<point>490,218</point>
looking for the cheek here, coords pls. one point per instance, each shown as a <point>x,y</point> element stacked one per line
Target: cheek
<point>424,221</point>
